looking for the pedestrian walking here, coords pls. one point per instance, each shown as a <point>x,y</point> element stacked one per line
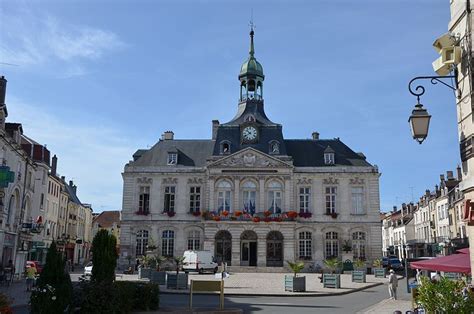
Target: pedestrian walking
<point>418,276</point>
<point>392,285</point>
<point>9,272</point>
<point>30,276</point>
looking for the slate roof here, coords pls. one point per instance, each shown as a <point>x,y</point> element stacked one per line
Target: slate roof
<point>72,196</point>
<point>190,153</point>
<point>106,219</point>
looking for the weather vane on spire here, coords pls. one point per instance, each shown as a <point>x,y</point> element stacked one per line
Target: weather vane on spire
<point>251,24</point>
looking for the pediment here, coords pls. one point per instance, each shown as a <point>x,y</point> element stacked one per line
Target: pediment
<point>249,158</point>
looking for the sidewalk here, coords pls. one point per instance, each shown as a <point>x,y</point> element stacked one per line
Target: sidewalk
<point>17,292</point>
<point>272,284</point>
<point>388,306</point>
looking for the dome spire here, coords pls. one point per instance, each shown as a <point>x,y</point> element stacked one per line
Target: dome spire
<point>252,49</point>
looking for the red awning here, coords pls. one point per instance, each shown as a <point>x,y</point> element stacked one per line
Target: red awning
<point>463,251</point>
<point>456,263</point>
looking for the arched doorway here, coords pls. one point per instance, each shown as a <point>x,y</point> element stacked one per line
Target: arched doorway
<point>248,248</point>
<point>274,249</point>
<point>223,247</point>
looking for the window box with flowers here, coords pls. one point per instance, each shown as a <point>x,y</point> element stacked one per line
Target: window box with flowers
<point>305,215</point>
<point>195,213</point>
<point>141,213</point>
<point>292,214</point>
<point>170,213</point>
<point>332,214</point>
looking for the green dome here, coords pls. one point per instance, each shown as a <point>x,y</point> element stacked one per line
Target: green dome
<point>251,67</point>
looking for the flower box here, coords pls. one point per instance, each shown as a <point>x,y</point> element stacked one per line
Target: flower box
<point>358,276</point>
<point>379,272</point>
<point>141,213</point>
<point>158,277</point>
<point>237,213</point>
<point>267,213</point>
<point>292,214</point>
<point>144,273</point>
<point>295,284</point>
<point>334,215</point>
<point>225,213</point>
<point>332,281</point>
<point>177,281</point>
<point>256,219</point>
<point>216,218</point>
<point>305,215</point>
<point>196,213</point>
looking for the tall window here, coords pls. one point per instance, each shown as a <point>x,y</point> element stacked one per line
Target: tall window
<point>194,199</point>
<point>332,245</point>
<point>224,200</point>
<point>167,243</point>
<point>249,195</point>
<point>144,200</point>
<point>194,240</point>
<point>275,197</point>
<point>305,245</point>
<point>331,192</point>
<point>358,245</point>
<point>305,194</point>
<point>169,198</point>
<point>357,200</point>
<point>142,242</point>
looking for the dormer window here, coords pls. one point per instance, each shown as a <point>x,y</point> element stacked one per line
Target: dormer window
<point>172,158</point>
<point>249,118</point>
<point>329,156</point>
<point>274,148</point>
<point>225,148</point>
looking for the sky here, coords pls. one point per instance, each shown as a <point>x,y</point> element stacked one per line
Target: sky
<point>97,80</point>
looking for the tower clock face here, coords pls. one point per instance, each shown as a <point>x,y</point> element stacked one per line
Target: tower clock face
<point>249,134</point>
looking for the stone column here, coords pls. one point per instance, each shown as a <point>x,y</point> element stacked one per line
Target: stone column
<point>211,194</point>
<point>235,251</point>
<point>288,191</point>
<point>262,251</point>
<point>236,205</point>
<point>261,198</point>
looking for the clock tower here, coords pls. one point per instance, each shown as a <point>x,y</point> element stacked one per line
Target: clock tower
<point>250,127</point>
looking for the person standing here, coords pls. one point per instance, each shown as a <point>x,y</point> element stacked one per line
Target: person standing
<point>30,276</point>
<point>418,277</point>
<point>392,285</point>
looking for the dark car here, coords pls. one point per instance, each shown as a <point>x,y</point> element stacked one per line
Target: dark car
<point>395,264</point>
<point>385,260</point>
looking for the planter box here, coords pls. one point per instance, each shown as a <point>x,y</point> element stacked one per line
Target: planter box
<point>179,281</point>
<point>379,272</point>
<point>158,277</point>
<point>144,273</point>
<point>358,276</point>
<point>332,281</point>
<point>294,284</point>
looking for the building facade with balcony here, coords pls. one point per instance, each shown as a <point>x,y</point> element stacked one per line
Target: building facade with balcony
<point>248,194</point>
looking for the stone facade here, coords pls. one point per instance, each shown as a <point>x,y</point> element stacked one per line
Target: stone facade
<point>237,193</point>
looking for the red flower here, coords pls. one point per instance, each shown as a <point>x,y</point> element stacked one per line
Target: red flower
<point>277,219</point>
<point>256,219</point>
<point>196,214</point>
<point>171,214</point>
<point>292,214</point>
<point>267,219</point>
<point>238,213</point>
<point>216,218</point>
<point>225,213</point>
<point>267,213</point>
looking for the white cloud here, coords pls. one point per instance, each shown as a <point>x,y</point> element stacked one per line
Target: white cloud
<point>39,39</point>
<point>92,155</point>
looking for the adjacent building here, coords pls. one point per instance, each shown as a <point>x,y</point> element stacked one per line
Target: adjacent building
<point>250,195</point>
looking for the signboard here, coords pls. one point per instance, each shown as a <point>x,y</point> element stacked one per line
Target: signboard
<point>207,285</point>
<point>6,176</point>
<point>9,239</point>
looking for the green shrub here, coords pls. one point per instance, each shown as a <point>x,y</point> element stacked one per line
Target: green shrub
<point>104,256</point>
<point>53,292</point>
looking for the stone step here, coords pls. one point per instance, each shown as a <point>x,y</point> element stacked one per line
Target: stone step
<point>256,269</point>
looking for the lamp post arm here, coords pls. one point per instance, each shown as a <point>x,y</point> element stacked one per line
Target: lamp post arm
<point>420,89</point>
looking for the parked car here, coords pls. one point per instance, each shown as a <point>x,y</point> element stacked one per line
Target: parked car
<point>385,260</point>
<point>395,264</point>
<point>37,265</point>
<point>88,269</point>
<point>199,261</point>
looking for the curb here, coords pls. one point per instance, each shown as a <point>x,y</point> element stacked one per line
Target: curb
<point>323,294</point>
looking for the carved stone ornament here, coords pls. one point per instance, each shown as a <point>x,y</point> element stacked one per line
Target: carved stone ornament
<point>195,181</point>
<point>356,180</point>
<point>330,180</point>
<point>144,180</point>
<point>170,181</point>
<point>304,180</point>
<point>249,160</point>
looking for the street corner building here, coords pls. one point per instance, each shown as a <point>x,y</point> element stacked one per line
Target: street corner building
<point>250,196</point>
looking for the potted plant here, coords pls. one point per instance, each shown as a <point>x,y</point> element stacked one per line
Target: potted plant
<point>225,213</point>
<point>238,213</point>
<point>305,215</point>
<point>178,280</point>
<point>256,219</point>
<point>170,213</point>
<point>379,271</point>
<point>216,218</point>
<point>157,275</point>
<point>144,271</point>
<point>295,283</point>
<point>334,215</point>
<point>267,213</point>
<point>332,280</point>
<point>292,214</point>
<point>196,213</point>
<point>359,272</point>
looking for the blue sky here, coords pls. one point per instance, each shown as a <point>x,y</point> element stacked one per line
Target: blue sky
<point>96,80</point>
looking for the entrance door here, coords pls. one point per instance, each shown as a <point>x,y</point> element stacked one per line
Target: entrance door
<point>248,253</point>
<point>275,249</point>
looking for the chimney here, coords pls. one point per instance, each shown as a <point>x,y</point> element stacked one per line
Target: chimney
<point>459,173</point>
<point>54,165</point>
<point>394,208</point>
<point>3,90</point>
<point>63,178</point>
<point>74,187</point>
<point>168,135</point>
<point>215,126</point>
<point>71,183</point>
<point>449,175</point>
<point>441,177</point>
<point>436,189</point>
<point>315,135</point>
<point>427,193</point>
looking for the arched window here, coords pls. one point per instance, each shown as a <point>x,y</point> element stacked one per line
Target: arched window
<point>194,240</point>
<point>251,89</point>
<point>142,242</point>
<point>305,240</point>
<point>223,247</point>
<point>358,245</point>
<point>249,196</point>
<point>259,90</point>
<point>332,245</point>
<point>275,192</point>
<point>274,148</point>
<point>225,148</point>
<point>224,196</point>
<point>167,243</point>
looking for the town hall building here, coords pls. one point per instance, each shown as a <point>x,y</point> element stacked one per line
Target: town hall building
<point>250,196</point>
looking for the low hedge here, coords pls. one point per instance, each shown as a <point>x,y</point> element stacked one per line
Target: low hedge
<point>116,297</point>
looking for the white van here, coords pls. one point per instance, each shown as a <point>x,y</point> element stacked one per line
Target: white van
<point>199,261</point>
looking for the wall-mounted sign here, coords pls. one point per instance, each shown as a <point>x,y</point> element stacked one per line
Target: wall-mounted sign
<point>6,176</point>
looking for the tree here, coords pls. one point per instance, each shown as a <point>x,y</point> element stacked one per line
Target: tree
<point>104,257</point>
<point>53,291</point>
<point>333,264</point>
<point>178,260</point>
<point>296,267</point>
